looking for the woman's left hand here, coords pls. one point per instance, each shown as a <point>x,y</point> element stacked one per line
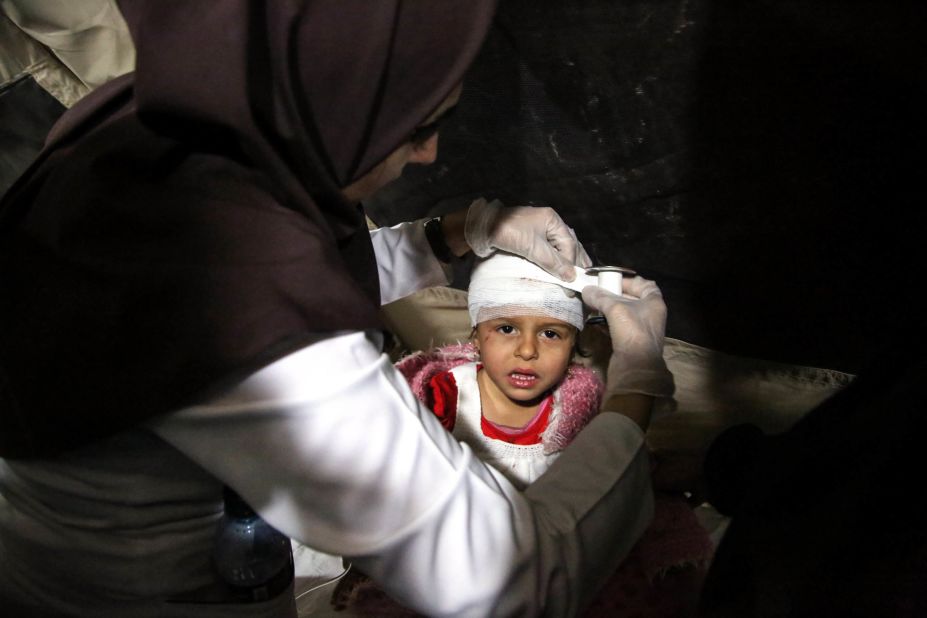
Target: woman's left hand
<point>636,322</point>
<point>535,233</point>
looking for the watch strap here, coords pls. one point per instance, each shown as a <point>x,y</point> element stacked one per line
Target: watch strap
<point>435,236</point>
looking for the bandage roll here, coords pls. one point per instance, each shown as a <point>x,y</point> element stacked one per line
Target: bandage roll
<point>610,280</point>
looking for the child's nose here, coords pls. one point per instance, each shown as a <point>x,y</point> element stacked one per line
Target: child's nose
<point>527,348</point>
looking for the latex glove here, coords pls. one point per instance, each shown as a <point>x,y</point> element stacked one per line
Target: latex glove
<point>535,233</point>
<point>636,324</point>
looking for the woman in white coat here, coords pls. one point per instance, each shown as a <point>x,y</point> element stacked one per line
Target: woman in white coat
<point>190,300</point>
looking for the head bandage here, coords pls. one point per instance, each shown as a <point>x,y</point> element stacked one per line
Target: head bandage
<point>503,286</point>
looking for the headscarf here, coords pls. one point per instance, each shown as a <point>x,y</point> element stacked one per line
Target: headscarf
<point>184,225</point>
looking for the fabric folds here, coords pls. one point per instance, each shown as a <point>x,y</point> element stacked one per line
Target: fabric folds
<point>184,225</point>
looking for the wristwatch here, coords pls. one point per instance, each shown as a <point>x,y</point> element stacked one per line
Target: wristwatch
<point>435,236</point>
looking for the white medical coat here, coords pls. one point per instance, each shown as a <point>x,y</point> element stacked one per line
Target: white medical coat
<point>331,447</point>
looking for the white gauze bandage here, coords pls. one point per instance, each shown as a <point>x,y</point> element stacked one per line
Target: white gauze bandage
<point>504,286</point>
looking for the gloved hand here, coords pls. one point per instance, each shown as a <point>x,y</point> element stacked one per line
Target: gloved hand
<point>535,233</point>
<point>636,323</point>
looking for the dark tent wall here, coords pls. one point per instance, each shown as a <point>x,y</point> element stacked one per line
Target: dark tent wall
<point>760,159</point>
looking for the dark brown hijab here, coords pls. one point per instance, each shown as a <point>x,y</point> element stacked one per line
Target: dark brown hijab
<point>184,225</point>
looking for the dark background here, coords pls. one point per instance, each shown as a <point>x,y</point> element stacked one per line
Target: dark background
<point>760,159</point>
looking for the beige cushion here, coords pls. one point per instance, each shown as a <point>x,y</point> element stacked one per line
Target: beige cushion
<point>69,47</point>
<point>430,318</point>
<point>714,390</point>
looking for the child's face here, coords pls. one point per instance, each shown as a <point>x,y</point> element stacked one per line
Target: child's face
<point>526,356</point>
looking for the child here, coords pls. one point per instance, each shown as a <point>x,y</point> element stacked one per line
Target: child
<point>516,398</point>
<point>513,394</point>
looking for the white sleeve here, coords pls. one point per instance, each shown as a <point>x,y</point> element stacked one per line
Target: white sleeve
<point>331,447</point>
<point>405,261</point>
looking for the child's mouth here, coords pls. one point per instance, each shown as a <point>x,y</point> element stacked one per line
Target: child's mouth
<point>522,380</point>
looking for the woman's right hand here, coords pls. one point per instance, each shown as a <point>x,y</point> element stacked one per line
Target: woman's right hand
<point>636,324</point>
<point>537,234</point>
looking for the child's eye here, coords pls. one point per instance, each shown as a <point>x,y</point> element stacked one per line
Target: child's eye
<point>550,334</point>
<point>506,329</point>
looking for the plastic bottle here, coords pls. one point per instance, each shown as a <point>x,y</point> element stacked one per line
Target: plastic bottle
<point>253,558</point>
